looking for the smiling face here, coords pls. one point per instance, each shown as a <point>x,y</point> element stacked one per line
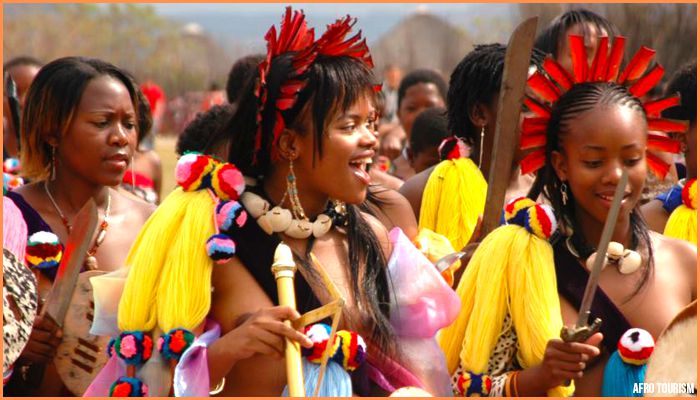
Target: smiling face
<point>101,137</point>
<point>597,145</point>
<point>348,144</point>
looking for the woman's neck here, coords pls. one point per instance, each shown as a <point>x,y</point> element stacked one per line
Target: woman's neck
<point>592,229</point>
<point>275,186</point>
<point>72,192</point>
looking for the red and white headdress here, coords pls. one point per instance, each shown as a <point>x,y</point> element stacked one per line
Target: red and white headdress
<point>604,68</point>
<point>295,37</point>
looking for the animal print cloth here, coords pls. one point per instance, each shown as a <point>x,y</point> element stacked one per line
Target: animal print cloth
<point>502,360</point>
<point>19,305</point>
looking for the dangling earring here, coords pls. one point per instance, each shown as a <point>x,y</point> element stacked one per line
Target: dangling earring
<point>481,144</point>
<point>53,163</point>
<point>293,193</point>
<point>564,193</point>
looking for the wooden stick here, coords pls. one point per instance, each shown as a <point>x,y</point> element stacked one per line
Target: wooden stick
<point>284,268</point>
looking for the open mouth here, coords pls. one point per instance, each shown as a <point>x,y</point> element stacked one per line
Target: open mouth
<point>609,197</point>
<point>361,168</point>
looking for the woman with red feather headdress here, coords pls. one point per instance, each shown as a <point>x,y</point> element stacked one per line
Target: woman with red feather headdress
<point>523,285</point>
<point>301,142</point>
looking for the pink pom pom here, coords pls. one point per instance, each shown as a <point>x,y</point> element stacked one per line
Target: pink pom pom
<point>191,170</point>
<point>128,346</point>
<point>227,182</point>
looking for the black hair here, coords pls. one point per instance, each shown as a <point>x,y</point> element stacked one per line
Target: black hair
<point>242,71</point>
<point>579,99</point>
<point>476,80</point>
<point>333,84</point>
<point>52,100</point>
<point>684,82</point>
<point>549,39</point>
<point>429,129</point>
<point>197,135</point>
<point>21,60</point>
<point>145,121</point>
<point>421,76</point>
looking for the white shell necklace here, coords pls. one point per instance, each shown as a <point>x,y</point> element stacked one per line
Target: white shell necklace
<point>278,219</point>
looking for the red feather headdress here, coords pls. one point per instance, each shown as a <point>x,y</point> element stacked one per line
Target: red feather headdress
<point>294,36</point>
<point>604,68</point>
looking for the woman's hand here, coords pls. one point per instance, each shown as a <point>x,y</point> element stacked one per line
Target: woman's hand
<point>264,332</point>
<point>43,341</point>
<point>565,361</point>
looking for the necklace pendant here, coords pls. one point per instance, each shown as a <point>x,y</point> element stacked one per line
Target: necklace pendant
<point>322,225</point>
<point>100,237</point>
<point>91,263</point>
<point>299,229</point>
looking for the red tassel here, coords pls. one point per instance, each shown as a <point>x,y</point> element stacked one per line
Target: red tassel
<point>558,73</point>
<point>285,103</point>
<point>658,166</point>
<point>667,125</point>
<point>615,59</point>
<point>377,88</point>
<point>598,68</point>
<point>637,66</point>
<point>534,125</point>
<point>579,59</point>
<point>647,82</point>
<point>654,108</point>
<point>537,107</point>
<point>663,143</point>
<point>532,141</point>
<point>532,162</point>
<point>543,87</point>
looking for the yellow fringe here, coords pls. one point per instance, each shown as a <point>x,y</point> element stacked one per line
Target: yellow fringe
<point>169,280</point>
<point>511,271</point>
<point>683,224</point>
<point>453,200</point>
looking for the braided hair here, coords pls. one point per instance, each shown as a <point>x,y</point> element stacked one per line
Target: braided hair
<point>476,80</point>
<point>580,99</point>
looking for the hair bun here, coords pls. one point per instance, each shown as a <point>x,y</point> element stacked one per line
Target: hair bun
<point>537,218</point>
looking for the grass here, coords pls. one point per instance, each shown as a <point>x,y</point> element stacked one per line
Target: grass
<point>165,147</point>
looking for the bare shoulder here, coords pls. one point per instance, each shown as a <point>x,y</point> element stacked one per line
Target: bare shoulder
<point>655,215</point>
<point>152,157</point>
<point>380,232</point>
<point>136,206</point>
<point>395,210</point>
<point>413,187</point>
<point>677,254</point>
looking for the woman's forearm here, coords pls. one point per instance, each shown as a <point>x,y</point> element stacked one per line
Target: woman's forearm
<point>221,357</point>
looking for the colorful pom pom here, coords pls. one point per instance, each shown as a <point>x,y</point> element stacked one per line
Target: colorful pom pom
<point>174,343</point>
<point>348,348</point>
<point>134,347</point>
<point>635,346</point>
<point>470,384</point>
<point>193,170</point>
<point>220,248</point>
<point>227,182</point>
<point>452,148</point>
<point>44,250</point>
<point>11,182</point>
<point>538,219</point>
<point>229,213</point>
<point>689,194</point>
<point>128,387</point>
<point>11,166</point>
